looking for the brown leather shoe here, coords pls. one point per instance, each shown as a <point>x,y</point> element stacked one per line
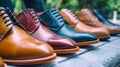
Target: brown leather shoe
<point>75,23</point>
<point>86,16</point>
<point>17,47</point>
<point>35,27</point>
<point>2,64</point>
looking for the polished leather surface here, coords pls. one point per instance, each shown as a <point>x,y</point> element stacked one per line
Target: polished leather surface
<point>20,44</point>
<point>1,62</point>
<point>74,22</point>
<point>102,18</point>
<point>58,25</point>
<point>41,32</point>
<point>86,16</point>
<point>17,44</point>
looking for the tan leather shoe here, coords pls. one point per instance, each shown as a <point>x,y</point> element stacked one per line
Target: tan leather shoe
<point>86,16</point>
<point>75,23</point>
<point>19,48</point>
<point>2,64</point>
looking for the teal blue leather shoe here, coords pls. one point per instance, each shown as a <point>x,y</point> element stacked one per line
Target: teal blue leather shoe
<point>55,22</point>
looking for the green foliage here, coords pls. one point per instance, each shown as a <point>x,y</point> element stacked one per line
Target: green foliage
<point>17,4</point>
<point>102,5</point>
<point>71,4</point>
<point>107,6</point>
<point>114,4</point>
<point>51,3</point>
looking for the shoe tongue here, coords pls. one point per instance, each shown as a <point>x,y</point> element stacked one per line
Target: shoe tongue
<point>5,23</point>
<point>52,19</point>
<point>28,20</point>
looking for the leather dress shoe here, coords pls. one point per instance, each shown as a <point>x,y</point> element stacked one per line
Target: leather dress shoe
<point>75,23</point>
<point>19,48</point>
<point>57,24</point>
<point>86,16</point>
<point>102,18</point>
<point>2,64</point>
<point>35,27</point>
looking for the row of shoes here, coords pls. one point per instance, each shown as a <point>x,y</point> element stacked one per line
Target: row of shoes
<point>29,38</point>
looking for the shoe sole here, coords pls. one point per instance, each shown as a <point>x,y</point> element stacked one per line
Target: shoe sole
<point>87,43</point>
<point>66,51</point>
<point>31,61</point>
<point>114,34</point>
<point>5,65</point>
<point>104,38</point>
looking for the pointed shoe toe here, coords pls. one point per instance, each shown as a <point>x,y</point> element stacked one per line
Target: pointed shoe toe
<point>63,45</point>
<point>114,30</point>
<point>25,50</point>
<point>101,33</point>
<point>88,38</point>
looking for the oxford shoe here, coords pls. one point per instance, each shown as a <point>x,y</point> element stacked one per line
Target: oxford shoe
<point>37,29</point>
<point>55,22</point>
<point>86,16</point>
<point>19,48</point>
<point>76,24</point>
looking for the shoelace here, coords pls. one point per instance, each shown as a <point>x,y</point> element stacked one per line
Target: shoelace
<point>57,15</point>
<point>72,14</point>
<point>35,17</point>
<point>5,17</point>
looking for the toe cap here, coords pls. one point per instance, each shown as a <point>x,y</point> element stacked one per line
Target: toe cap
<point>101,32</point>
<point>36,49</point>
<point>85,36</point>
<point>114,30</point>
<point>62,43</point>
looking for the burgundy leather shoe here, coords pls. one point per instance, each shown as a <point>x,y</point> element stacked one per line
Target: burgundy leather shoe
<point>34,26</point>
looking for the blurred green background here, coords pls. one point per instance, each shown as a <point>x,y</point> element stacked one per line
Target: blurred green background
<point>106,6</point>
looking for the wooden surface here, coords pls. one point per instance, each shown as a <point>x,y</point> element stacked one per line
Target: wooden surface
<point>103,54</point>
